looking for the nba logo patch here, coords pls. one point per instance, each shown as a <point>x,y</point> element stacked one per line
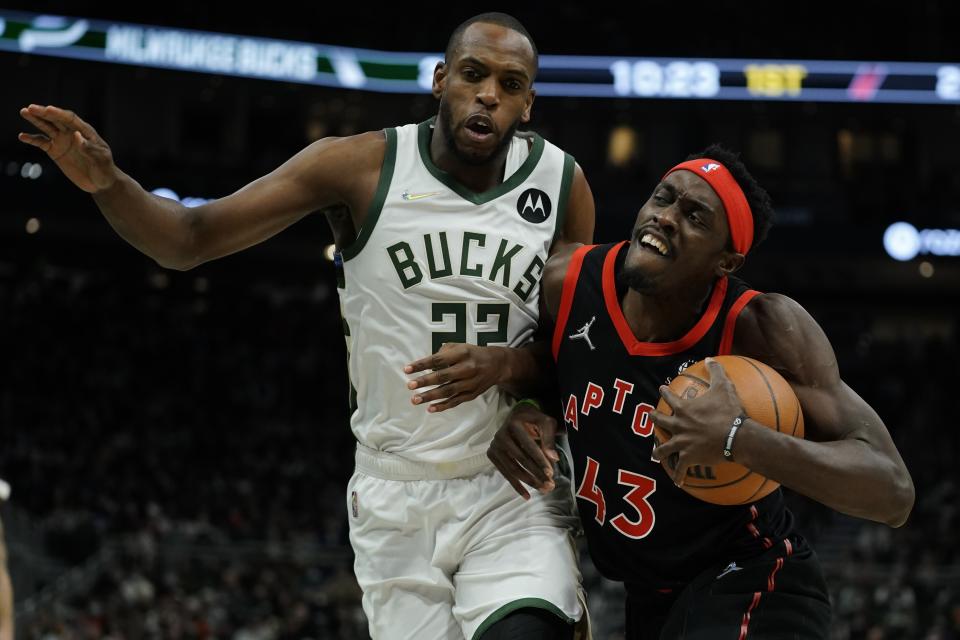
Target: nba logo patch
<point>353,504</point>
<point>712,166</point>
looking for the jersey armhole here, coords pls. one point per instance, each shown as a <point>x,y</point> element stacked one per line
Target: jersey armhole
<point>566,297</point>
<point>563,199</point>
<point>379,197</point>
<point>730,323</point>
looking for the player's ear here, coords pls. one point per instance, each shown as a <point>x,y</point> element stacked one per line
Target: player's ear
<point>525,116</point>
<point>439,79</point>
<point>729,262</point>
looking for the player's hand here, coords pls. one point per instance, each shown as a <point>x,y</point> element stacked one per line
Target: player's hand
<point>73,145</point>
<point>699,426</point>
<point>523,449</point>
<point>458,373</point>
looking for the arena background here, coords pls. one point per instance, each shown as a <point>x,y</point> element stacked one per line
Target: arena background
<point>178,443</point>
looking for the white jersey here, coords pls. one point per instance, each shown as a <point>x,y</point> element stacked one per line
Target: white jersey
<point>435,263</point>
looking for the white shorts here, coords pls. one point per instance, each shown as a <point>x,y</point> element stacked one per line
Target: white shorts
<point>445,551</point>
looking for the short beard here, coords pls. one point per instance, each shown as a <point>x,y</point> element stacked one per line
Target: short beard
<point>446,120</point>
<point>636,280</point>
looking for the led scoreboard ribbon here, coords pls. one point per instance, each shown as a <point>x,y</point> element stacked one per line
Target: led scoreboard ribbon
<point>396,72</point>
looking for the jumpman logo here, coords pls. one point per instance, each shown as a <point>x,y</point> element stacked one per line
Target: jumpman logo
<point>730,569</point>
<point>584,333</point>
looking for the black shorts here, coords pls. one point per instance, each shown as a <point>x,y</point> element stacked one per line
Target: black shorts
<point>778,594</point>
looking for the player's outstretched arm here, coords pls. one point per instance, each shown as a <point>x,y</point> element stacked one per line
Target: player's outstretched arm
<point>848,460</point>
<point>326,172</point>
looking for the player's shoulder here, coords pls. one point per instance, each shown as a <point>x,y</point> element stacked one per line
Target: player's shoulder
<point>771,310</point>
<point>775,328</point>
<point>353,151</point>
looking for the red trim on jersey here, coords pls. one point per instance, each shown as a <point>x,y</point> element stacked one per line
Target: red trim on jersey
<point>771,582</point>
<point>771,579</point>
<point>566,298</point>
<point>752,528</point>
<point>726,342</point>
<point>745,622</point>
<point>633,346</point>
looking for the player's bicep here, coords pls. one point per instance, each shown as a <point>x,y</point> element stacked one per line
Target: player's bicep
<point>581,214</point>
<point>320,175</point>
<point>779,332</point>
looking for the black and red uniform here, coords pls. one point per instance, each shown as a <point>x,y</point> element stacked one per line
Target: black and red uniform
<point>691,569</point>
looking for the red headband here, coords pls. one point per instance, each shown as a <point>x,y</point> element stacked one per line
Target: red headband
<point>739,217</point>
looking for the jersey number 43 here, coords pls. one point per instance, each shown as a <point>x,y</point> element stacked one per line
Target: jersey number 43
<point>641,488</point>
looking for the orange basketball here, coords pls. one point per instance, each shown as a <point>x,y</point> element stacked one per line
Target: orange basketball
<point>767,398</point>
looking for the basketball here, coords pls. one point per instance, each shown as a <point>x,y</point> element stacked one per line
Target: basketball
<point>767,398</point>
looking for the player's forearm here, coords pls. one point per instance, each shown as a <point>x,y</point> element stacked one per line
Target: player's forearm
<point>526,371</point>
<point>159,227</point>
<point>849,476</point>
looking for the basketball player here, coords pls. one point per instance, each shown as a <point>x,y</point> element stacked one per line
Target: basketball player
<point>630,316</point>
<point>444,228</point>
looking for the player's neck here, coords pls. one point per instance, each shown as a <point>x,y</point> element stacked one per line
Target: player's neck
<point>476,177</point>
<point>664,316</point>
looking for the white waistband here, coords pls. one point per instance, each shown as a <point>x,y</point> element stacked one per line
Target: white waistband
<point>390,466</point>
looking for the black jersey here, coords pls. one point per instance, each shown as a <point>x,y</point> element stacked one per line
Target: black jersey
<point>639,525</point>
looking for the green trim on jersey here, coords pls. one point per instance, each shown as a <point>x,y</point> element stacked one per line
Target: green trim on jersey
<point>518,177</point>
<point>522,603</point>
<point>569,164</point>
<point>376,205</point>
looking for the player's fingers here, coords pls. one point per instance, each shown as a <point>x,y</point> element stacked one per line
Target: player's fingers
<point>548,435</point>
<point>718,376</point>
<point>459,371</point>
<point>37,140</point>
<point>451,402</point>
<point>83,127</point>
<point>669,396</point>
<point>426,380</point>
<point>663,421</point>
<point>63,119</point>
<point>423,364</point>
<point>48,128</point>
<point>443,392</point>
<point>670,452</point>
<point>518,448</point>
<point>534,452</point>
<point>680,471</point>
<point>508,469</point>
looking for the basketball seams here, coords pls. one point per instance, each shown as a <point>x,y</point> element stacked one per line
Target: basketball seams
<point>759,489</point>
<point>773,395</point>
<point>796,418</point>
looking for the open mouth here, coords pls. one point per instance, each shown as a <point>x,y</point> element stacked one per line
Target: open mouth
<point>478,127</point>
<point>652,243</point>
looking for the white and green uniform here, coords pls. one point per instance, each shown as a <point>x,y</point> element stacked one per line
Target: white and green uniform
<point>444,547</point>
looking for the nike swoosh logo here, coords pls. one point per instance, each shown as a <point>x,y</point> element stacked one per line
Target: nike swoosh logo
<point>406,195</point>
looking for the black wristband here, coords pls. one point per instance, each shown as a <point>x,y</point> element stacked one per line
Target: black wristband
<point>728,443</point>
